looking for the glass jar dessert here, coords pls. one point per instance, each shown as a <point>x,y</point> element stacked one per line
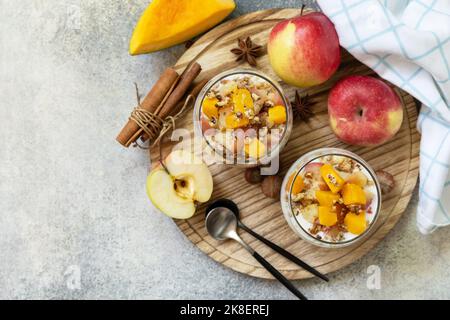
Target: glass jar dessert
<point>243,117</point>
<point>331,198</point>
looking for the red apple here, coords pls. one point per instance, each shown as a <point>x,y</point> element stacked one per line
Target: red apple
<point>364,111</point>
<point>304,51</point>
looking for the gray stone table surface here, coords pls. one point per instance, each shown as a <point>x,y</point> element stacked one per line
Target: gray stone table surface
<point>73,203</point>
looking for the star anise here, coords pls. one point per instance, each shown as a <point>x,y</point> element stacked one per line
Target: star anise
<point>247,51</point>
<point>301,107</point>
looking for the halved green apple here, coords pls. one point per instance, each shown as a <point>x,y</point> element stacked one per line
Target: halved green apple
<point>189,181</point>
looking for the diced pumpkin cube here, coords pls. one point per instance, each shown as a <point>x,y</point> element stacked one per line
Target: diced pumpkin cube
<point>242,100</point>
<point>255,149</point>
<point>233,122</point>
<point>326,198</point>
<point>327,217</point>
<point>353,194</point>
<point>209,108</point>
<point>298,185</point>
<point>333,180</point>
<point>356,223</point>
<point>277,115</point>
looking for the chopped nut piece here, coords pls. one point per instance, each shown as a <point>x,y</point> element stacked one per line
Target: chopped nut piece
<point>346,165</point>
<point>268,104</point>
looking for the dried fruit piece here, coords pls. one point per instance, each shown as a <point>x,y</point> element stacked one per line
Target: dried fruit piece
<point>327,217</point>
<point>253,175</point>
<point>277,115</point>
<point>356,223</point>
<point>332,178</point>
<point>387,181</point>
<point>271,187</point>
<point>326,198</point>
<point>353,195</point>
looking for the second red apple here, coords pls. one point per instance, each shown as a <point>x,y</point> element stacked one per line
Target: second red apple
<point>364,111</point>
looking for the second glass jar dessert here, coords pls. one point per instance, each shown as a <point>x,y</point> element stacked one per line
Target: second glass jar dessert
<point>243,117</point>
<point>331,198</point>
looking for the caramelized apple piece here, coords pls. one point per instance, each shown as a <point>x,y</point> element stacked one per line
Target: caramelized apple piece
<point>311,212</point>
<point>358,178</point>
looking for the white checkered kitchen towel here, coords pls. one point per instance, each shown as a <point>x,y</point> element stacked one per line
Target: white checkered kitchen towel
<point>408,43</point>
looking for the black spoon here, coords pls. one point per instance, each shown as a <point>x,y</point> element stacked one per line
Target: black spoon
<point>234,208</point>
<point>222,224</point>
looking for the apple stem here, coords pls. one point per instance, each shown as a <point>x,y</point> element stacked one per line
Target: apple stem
<point>303,8</point>
<point>164,167</point>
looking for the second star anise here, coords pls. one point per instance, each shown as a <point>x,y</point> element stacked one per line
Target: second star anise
<point>247,51</point>
<point>301,107</point>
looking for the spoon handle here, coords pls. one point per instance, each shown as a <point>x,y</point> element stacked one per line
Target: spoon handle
<point>279,276</point>
<point>284,253</point>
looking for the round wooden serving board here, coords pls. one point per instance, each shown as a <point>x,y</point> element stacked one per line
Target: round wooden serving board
<point>400,157</point>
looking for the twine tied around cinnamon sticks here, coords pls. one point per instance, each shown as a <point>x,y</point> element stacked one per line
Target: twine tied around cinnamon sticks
<point>164,104</point>
<point>154,127</point>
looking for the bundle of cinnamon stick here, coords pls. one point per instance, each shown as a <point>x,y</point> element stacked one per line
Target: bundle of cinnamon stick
<point>165,99</point>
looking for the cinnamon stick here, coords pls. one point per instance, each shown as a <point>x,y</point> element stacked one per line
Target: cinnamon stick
<point>193,91</point>
<point>187,78</point>
<point>131,131</point>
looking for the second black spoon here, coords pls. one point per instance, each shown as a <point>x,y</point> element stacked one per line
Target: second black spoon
<point>233,207</point>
